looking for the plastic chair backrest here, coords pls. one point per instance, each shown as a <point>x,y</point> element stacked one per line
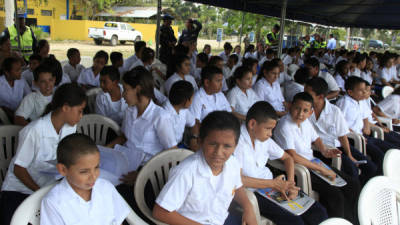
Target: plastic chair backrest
<point>391,164</point>
<point>156,170</point>
<point>377,203</point>
<point>4,118</point>
<point>97,127</point>
<point>8,146</point>
<point>386,91</point>
<point>335,221</point>
<point>92,94</point>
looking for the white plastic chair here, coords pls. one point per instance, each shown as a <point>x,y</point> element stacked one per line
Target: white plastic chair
<point>92,94</point>
<point>377,132</point>
<point>386,91</point>
<point>97,127</point>
<point>4,118</point>
<point>335,221</point>
<point>253,200</point>
<point>156,170</point>
<point>391,164</point>
<point>387,122</point>
<point>8,145</point>
<point>377,203</point>
<point>359,142</point>
<point>29,210</point>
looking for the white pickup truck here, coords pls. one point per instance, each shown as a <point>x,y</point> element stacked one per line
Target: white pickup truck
<point>114,32</point>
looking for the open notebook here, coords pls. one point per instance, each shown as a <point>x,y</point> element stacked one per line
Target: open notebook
<point>339,182</point>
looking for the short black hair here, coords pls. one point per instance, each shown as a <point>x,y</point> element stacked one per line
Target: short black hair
<point>101,54</point>
<point>318,85</point>
<point>301,75</point>
<point>209,72</point>
<point>276,26</point>
<point>240,72</point>
<point>71,52</point>
<point>249,62</point>
<point>8,63</point>
<point>202,57</point>
<point>115,57</point>
<point>139,45</point>
<point>261,112</point>
<point>219,120</point>
<point>42,68</point>
<point>181,91</point>
<point>228,46</point>
<point>269,51</point>
<point>234,57</point>
<point>352,82</point>
<point>214,59</point>
<point>303,96</point>
<point>147,54</point>
<point>74,146</point>
<point>312,62</point>
<point>111,72</point>
<point>35,57</point>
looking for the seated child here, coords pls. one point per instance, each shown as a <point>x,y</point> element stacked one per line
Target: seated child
<point>227,52</point>
<point>283,76</point>
<point>252,64</point>
<point>139,46</point>
<point>90,77</point>
<point>182,69</point>
<point>313,65</point>
<point>110,102</point>
<point>341,72</point>
<point>37,143</point>
<point>295,86</point>
<point>230,66</point>
<point>73,68</point>
<point>34,104</point>
<point>201,188</point>
<point>268,89</point>
<point>269,55</point>
<point>219,63</point>
<point>389,107</point>
<point>331,126</point>
<point>34,61</point>
<point>253,151</point>
<point>60,77</point>
<point>146,59</point>
<point>117,61</point>
<point>201,62</point>
<point>13,88</point>
<point>81,196</point>
<point>295,134</point>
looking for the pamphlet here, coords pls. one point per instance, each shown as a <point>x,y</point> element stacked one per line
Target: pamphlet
<point>339,182</point>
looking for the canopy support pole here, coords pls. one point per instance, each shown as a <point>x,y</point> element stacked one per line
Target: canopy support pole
<point>158,29</point>
<point>282,31</point>
<point>348,33</point>
<point>17,25</point>
<point>241,27</point>
<point>9,11</point>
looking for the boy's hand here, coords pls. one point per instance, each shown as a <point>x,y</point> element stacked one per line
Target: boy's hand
<point>129,178</point>
<point>293,192</point>
<point>331,153</point>
<point>248,217</point>
<point>282,185</point>
<point>395,121</point>
<point>366,131</point>
<point>329,173</point>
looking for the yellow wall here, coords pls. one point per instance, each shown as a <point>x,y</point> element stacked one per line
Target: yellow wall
<point>78,29</point>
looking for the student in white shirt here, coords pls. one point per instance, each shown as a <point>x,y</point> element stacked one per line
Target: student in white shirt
<point>200,189</point>
<point>209,97</point>
<point>283,76</point>
<point>37,144</point>
<point>290,57</point>
<point>117,61</point>
<point>295,134</point>
<point>227,52</point>
<point>90,77</point>
<point>389,107</point>
<point>313,65</point>
<point>253,151</point>
<point>207,50</point>
<point>368,74</point>
<point>34,104</point>
<point>34,61</point>
<point>331,126</point>
<point>182,69</point>
<point>146,59</point>
<point>238,51</point>
<point>268,89</point>
<point>341,71</point>
<point>110,102</point>
<point>360,61</point>
<point>297,85</point>
<point>139,47</point>
<point>269,55</point>
<point>201,62</point>
<point>386,77</point>
<point>73,68</point>
<point>250,52</point>
<point>230,66</point>
<point>55,65</point>
<point>13,87</point>
<point>219,63</point>
<point>252,65</point>
<point>242,96</point>
<point>82,194</point>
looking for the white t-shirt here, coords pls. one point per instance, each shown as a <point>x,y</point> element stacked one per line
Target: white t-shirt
<point>128,63</point>
<point>150,133</point>
<point>161,98</point>
<point>292,137</point>
<point>367,76</point>
<point>240,101</point>
<point>195,193</point>
<point>270,93</point>
<point>391,106</point>
<point>353,113</point>
<point>386,74</point>
<point>203,104</point>
<point>37,143</point>
<point>62,205</point>
<point>73,72</point>
<point>137,63</point>
<point>28,76</point>
<point>33,105</point>
<point>88,78</point>
<point>291,89</point>
<point>179,121</point>
<point>11,97</point>
<point>366,107</point>
<point>175,77</point>
<point>287,60</point>
<point>356,72</point>
<point>340,82</point>
<point>113,110</point>
<point>223,56</point>
<point>332,85</point>
<point>330,125</point>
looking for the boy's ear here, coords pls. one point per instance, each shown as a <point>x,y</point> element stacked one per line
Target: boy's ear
<point>62,169</point>
<point>251,124</point>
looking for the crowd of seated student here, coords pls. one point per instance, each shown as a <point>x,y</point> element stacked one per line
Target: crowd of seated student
<point>196,85</point>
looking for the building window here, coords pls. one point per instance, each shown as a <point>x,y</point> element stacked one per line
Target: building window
<point>47,13</point>
<point>30,11</point>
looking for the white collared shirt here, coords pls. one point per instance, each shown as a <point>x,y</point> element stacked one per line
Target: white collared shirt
<point>11,97</point>
<point>332,85</point>
<point>64,80</point>
<point>391,106</point>
<point>203,104</point>
<point>353,113</point>
<point>270,93</point>
<point>263,60</point>
<point>340,82</point>
<point>284,77</point>
<point>129,62</point>
<point>149,133</point>
<point>291,89</point>
<point>195,193</point>
<point>37,143</point>
<point>290,136</point>
<point>330,125</point>
<point>108,108</point>
<point>240,101</point>
<point>356,72</point>
<point>223,56</point>
<point>137,63</point>
<point>28,76</point>
<point>179,121</point>
<point>386,74</point>
<point>254,160</point>
<point>367,76</point>
<point>73,72</point>
<point>62,205</point>
<point>33,105</point>
<point>161,98</point>
<point>175,77</point>
<point>88,78</point>
<point>288,60</point>
<point>367,109</point>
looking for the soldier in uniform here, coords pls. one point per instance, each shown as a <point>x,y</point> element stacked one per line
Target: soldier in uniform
<point>167,39</point>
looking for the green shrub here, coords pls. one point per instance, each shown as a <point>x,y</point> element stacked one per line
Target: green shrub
<point>39,33</point>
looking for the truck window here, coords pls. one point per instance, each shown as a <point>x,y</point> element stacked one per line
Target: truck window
<point>123,26</point>
<point>114,25</point>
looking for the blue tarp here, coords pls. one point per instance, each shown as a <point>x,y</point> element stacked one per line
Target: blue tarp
<point>382,14</point>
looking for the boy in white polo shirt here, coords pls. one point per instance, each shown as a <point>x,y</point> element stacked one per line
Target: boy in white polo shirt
<point>81,197</point>
<point>73,68</point>
<point>90,77</point>
<point>200,189</point>
<point>253,151</point>
<point>34,62</point>
<point>34,104</point>
<point>295,134</point>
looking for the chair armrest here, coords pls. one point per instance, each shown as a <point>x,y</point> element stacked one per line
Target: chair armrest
<point>337,163</point>
<point>378,132</point>
<point>359,142</point>
<point>254,203</point>
<point>386,121</point>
